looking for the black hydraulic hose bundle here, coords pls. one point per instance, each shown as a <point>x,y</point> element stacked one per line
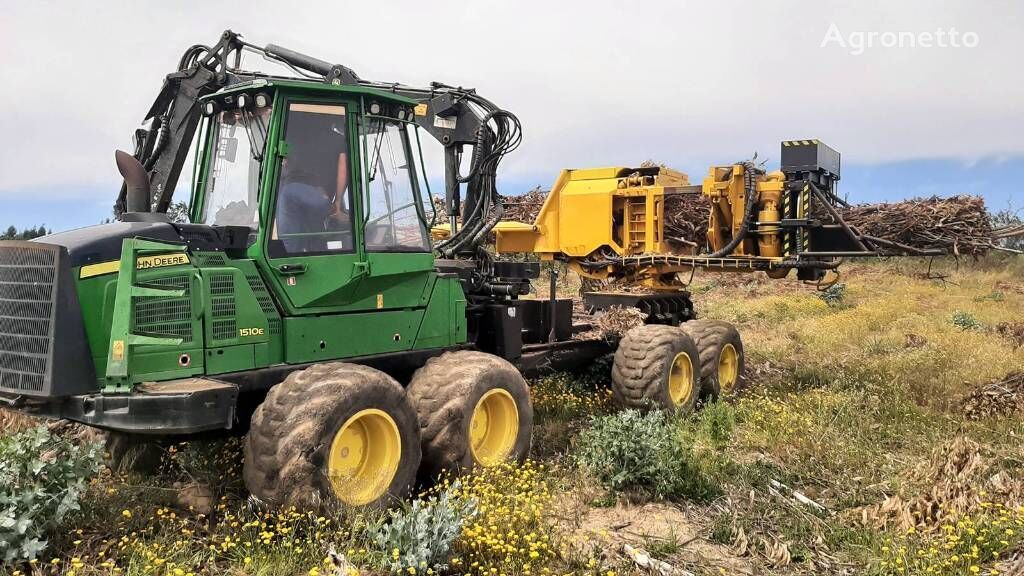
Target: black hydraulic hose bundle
<point>750,197</point>
<point>490,147</point>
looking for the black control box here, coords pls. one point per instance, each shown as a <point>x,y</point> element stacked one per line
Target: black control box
<point>801,156</point>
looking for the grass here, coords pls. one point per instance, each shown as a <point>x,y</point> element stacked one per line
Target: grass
<point>853,397</point>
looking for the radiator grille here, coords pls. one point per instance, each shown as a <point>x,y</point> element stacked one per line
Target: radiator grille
<point>27,290</point>
<point>162,317</point>
<point>222,285</point>
<point>222,306</point>
<point>211,259</point>
<point>265,301</point>
<point>225,329</point>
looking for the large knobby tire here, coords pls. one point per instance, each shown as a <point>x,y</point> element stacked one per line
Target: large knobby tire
<point>132,454</point>
<point>474,410</point>
<point>656,367</point>
<point>721,356</point>
<point>332,432</point>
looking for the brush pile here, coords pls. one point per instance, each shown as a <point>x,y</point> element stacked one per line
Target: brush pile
<point>960,476</point>
<point>524,208</point>
<point>1002,398</point>
<point>613,323</point>
<point>686,219</point>
<point>958,225</point>
<point>440,213</point>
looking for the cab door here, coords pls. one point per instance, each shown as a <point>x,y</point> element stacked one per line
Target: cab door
<point>395,236</point>
<point>312,251</point>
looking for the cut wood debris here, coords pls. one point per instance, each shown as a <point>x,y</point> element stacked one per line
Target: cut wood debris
<point>525,207</point>
<point>1002,398</point>
<point>956,225</point>
<point>961,475</point>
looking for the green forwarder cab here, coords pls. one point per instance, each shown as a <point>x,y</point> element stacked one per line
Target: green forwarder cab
<point>309,243</point>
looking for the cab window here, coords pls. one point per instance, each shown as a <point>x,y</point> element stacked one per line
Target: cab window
<point>313,210</point>
<point>233,183</point>
<point>394,219</point>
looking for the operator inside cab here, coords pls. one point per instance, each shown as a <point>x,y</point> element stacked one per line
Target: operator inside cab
<point>313,212</point>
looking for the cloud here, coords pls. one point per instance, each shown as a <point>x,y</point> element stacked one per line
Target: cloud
<point>593,82</point>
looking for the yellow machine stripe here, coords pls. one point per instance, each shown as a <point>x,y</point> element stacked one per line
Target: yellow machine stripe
<point>805,212</point>
<point>100,269</point>
<point>143,262</point>
<point>786,142</point>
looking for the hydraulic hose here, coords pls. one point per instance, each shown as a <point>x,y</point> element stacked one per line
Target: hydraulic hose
<point>162,136</point>
<point>750,188</point>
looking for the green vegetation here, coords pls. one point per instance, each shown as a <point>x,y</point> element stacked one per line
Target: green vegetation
<point>965,320</point>
<point>42,478</point>
<point>420,535</point>
<point>642,452</point>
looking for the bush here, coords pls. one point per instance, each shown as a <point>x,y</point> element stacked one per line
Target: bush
<point>717,421</point>
<point>41,479</point>
<point>834,295</point>
<point>965,320</point>
<point>632,451</point>
<point>420,535</point>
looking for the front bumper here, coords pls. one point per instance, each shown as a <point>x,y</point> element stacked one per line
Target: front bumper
<point>169,408</point>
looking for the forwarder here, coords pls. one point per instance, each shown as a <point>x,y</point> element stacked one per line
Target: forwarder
<point>307,306</point>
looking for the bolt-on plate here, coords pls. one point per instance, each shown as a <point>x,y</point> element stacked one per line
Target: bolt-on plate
<point>680,380</point>
<point>728,368</point>
<point>493,428</point>
<point>364,457</point>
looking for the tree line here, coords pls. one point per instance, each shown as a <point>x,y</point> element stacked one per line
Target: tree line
<point>13,233</point>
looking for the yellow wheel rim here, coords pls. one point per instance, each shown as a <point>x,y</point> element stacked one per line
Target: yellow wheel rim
<point>728,368</point>
<point>493,427</point>
<point>680,380</point>
<point>364,457</point>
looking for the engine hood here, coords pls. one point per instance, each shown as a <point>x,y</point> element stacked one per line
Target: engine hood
<point>102,243</point>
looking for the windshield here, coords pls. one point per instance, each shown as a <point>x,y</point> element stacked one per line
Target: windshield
<point>233,182</point>
<point>395,217</point>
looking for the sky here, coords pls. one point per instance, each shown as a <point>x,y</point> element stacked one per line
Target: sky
<point>920,97</point>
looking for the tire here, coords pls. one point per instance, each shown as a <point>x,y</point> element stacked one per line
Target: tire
<point>446,393</point>
<point>644,363</point>
<point>713,338</point>
<point>132,454</point>
<point>300,431</point>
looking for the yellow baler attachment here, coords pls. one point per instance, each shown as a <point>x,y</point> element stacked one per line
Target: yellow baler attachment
<point>618,208</point>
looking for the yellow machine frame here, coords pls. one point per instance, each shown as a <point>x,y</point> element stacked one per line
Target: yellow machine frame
<point>591,214</point>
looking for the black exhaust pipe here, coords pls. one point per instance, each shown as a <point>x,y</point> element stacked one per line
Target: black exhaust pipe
<point>136,181</point>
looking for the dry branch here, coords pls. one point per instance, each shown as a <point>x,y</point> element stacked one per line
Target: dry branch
<point>956,225</point>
